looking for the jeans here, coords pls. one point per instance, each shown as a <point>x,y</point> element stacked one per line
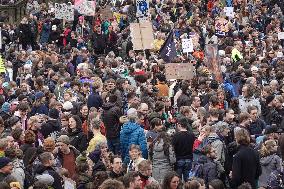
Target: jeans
<point>114,145</point>
<point>183,167</point>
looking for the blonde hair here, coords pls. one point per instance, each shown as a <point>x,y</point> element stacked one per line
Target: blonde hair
<point>242,137</point>
<point>267,148</point>
<point>32,120</point>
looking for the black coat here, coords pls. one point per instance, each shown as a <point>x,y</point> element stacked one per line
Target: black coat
<point>57,179</point>
<point>94,100</point>
<point>78,139</point>
<point>51,126</point>
<point>246,167</point>
<point>99,43</point>
<point>110,116</point>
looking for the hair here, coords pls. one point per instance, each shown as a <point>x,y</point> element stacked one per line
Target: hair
<point>16,133</point>
<point>95,123</point>
<point>45,157</point>
<point>112,157</point>
<point>155,122</point>
<point>77,120</point>
<point>144,164</point>
<point>32,120</point>
<point>153,185</point>
<point>193,184</point>
<point>214,112</point>
<point>168,178</point>
<point>129,177</point>
<point>1,122</point>
<point>243,116</point>
<point>184,109</point>
<point>251,108</point>
<point>159,106</point>
<point>242,137</point>
<point>166,144</point>
<point>214,100</point>
<point>245,186</point>
<point>206,149</point>
<point>11,152</point>
<point>134,147</point>
<point>267,148</point>
<point>217,184</point>
<point>99,178</point>
<point>112,184</point>
<point>4,185</point>
<point>30,137</point>
<point>23,106</point>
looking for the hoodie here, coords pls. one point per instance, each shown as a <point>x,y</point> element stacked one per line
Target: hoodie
<point>110,117</point>
<point>51,126</point>
<point>269,164</point>
<point>132,133</point>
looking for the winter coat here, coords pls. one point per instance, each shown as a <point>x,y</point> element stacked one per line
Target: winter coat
<point>209,169</point>
<point>18,171</point>
<point>94,100</point>
<point>45,33</point>
<point>25,33</point>
<point>110,117</point>
<point>257,127</point>
<point>57,179</point>
<point>162,163</point>
<point>219,147</point>
<point>42,109</point>
<point>268,165</point>
<point>99,43</point>
<point>246,167</point>
<point>51,126</point>
<point>245,102</point>
<point>132,133</point>
<point>78,139</point>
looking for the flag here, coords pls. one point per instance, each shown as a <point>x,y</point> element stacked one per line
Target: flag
<point>168,51</point>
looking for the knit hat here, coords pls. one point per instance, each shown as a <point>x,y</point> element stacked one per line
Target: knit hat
<point>45,179</point>
<point>4,161</point>
<point>39,95</point>
<point>53,113</point>
<point>67,106</point>
<point>5,107</point>
<point>269,99</point>
<point>64,139</point>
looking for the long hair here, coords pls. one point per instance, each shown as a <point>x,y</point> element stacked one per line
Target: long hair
<point>166,140</point>
<point>267,148</point>
<point>281,144</point>
<point>168,178</point>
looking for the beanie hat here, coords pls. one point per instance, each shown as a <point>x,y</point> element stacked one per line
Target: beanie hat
<point>45,179</point>
<point>64,139</point>
<point>53,113</point>
<point>5,107</point>
<point>269,99</point>
<point>67,105</point>
<point>39,95</point>
<point>4,161</point>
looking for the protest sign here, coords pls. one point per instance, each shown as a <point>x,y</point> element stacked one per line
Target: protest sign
<point>106,13</point>
<point>2,65</point>
<point>142,35</point>
<point>221,26</point>
<point>0,38</point>
<point>280,35</point>
<point>180,71</point>
<point>85,7</point>
<point>212,62</point>
<point>142,9</point>
<point>187,45</point>
<point>229,11</point>
<point>64,11</point>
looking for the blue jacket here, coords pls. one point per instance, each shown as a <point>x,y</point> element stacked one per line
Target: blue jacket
<point>132,133</point>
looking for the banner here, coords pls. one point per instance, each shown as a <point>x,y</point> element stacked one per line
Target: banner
<point>0,38</point>
<point>85,7</point>
<point>184,71</point>
<point>142,9</point>
<point>187,45</point>
<point>142,35</point>
<point>168,51</point>
<point>212,62</point>
<point>229,11</point>
<point>64,11</point>
<point>2,65</point>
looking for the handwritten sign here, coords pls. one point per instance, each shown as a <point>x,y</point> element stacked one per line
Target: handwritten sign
<point>184,71</point>
<point>221,26</point>
<point>85,7</point>
<point>142,7</point>
<point>64,11</point>
<point>229,11</point>
<point>106,13</point>
<point>142,35</point>
<point>187,45</point>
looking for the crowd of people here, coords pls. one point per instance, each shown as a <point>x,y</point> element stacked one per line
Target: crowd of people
<point>81,109</point>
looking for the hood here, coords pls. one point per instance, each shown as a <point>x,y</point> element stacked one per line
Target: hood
<point>265,161</point>
<point>53,123</point>
<point>40,169</point>
<point>108,106</point>
<point>129,127</point>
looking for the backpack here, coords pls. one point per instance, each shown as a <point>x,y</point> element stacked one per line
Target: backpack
<point>196,171</point>
<point>29,176</point>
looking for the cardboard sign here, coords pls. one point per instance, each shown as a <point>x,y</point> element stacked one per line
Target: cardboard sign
<point>142,9</point>
<point>280,35</point>
<point>184,71</point>
<point>212,62</point>
<point>85,7</point>
<point>106,13</point>
<point>64,11</point>
<point>142,35</point>
<point>187,45</point>
<point>221,26</point>
<point>229,11</point>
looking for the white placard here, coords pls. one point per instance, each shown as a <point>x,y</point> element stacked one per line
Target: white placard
<point>187,45</point>
<point>64,11</point>
<point>281,35</point>
<point>142,7</point>
<point>85,7</point>
<point>229,12</point>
